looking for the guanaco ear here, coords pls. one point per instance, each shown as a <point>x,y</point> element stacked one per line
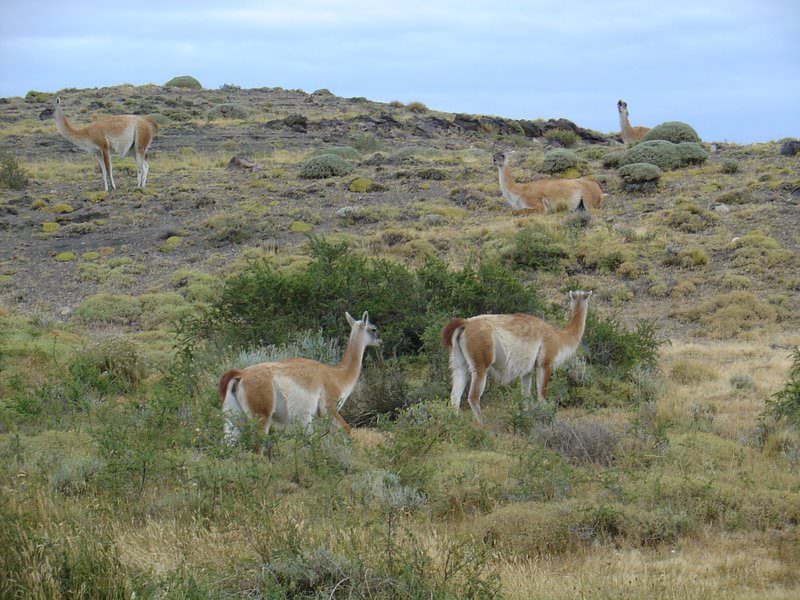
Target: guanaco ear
<point>588,294</point>
<point>571,295</point>
<point>365,317</point>
<point>350,320</point>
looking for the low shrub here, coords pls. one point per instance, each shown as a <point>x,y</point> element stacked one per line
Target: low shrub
<point>564,137</point>
<point>112,365</point>
<point>534,248</point>
<point>639,174</point>
<point>729,167</point>
<point>729,314</point>
<point>121,309</point>
<point>324,166</point>
<point>688,372</point>
<point>690,218</point>
<point>687,258</point>
<point>559,160</point>
<point>12,175</point>
<point>417,107</point>
<point>672,131</point>
<point>691,153</point>
<point>184,81</point>
<point>581,441</point>
<point>785,404</point>
<point>228,111</point>
<point>346,152</point>
<point>661,153</point>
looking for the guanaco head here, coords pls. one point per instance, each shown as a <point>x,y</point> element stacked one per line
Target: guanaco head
<point>364,329</point>
<point>622,107</point>
<point>499,159</point>
<point>577,297</point>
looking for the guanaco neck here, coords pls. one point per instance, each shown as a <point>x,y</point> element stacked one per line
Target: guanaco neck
<point>573,331</point>
<point>625,126</point>
<point>349,368</point>
<point>508,186</point>
<point>64,127</point>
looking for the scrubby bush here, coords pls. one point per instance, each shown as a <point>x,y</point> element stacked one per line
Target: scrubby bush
<point>432,174</point>
<point>612,159</point>
<point>729,167</point>
<point>184,81</point>
<point>12,175</point>
<point>729,314</point>
<point>657,152</point>
<point>785,404</point>
<point>581,441</point>
<point>417,107</point>
<point>121,309</point>
<point>559,160</point>
<point>346,152</point>
<point>691,153</point>
<point>672,131</point>
<point>228,111</point>
<point>688,372</point>
<point>690,218</point>
<point>535,249</point>
<point>324,166</point>
<point>640,174</point>
<point>112,365</point>
<point>565,137</point>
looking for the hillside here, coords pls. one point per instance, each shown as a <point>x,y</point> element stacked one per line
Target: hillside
<point>654,480</point>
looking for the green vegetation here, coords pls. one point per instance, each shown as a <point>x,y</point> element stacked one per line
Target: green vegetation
<point>640,174</point>
<point>12,175</point>
<point>672,131</point>
<point>323,166</point>
<point>559,160</point>
<point>184,81</point>
<point>785,404</point>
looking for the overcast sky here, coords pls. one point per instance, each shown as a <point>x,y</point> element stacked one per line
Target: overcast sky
<point>730,68</point>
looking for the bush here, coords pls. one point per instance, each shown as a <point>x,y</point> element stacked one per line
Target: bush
<point>634,174</point>
<point>729,314</point>
<point>11,174</point>
<point>184,81</point>
<point>559,160</point>
<point>121,309</point>
<point>785,404</point>
<point>729,167</point>
<point>581,441</point>
<point>610,346</point>
<point>672,131</point>
<point>691,153</point>
<point>535,249</point>
<point>613,159</point>
<point>346,152</point>
<point>690,218</point>
<point>324,166</point>
<point>113,365</point>
<point>263,306</point>
<point>661,153</point>
<point>417,107</point>
<point>565,137</point>
<point>228,111</point>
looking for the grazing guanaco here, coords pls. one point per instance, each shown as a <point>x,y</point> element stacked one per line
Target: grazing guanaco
<point>546,195</point>
<point>117,134</point>
<point>292,391</point>
<point>629,134</point>
<point>510,347</point>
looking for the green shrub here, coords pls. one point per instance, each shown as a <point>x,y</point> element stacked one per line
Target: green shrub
<point>640,173</point>
<point>688,258</point>
<point>688,372</point>
<point>12,175</point>
<point>228,111</point>
<point>729,167</point>
<point>738,196</point>
<point>324,166</point>
<point>120,309</point>
<point>785,404</point>
<point>432,174</point>
<point>263,306</point>
<point>612,159</point>
<point>535,249</point>
<point>565,137</point>
<point>346,152</point>
<point>729,314</point>
<point>184,81</point>
<point>417,107</point>
<point>691,153</point>
<point>690,218</point>
<point>672,131</point>
<point>559,160</point>
<point>112,365</point>
<point>611,346</point>
<point>661,153</point>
